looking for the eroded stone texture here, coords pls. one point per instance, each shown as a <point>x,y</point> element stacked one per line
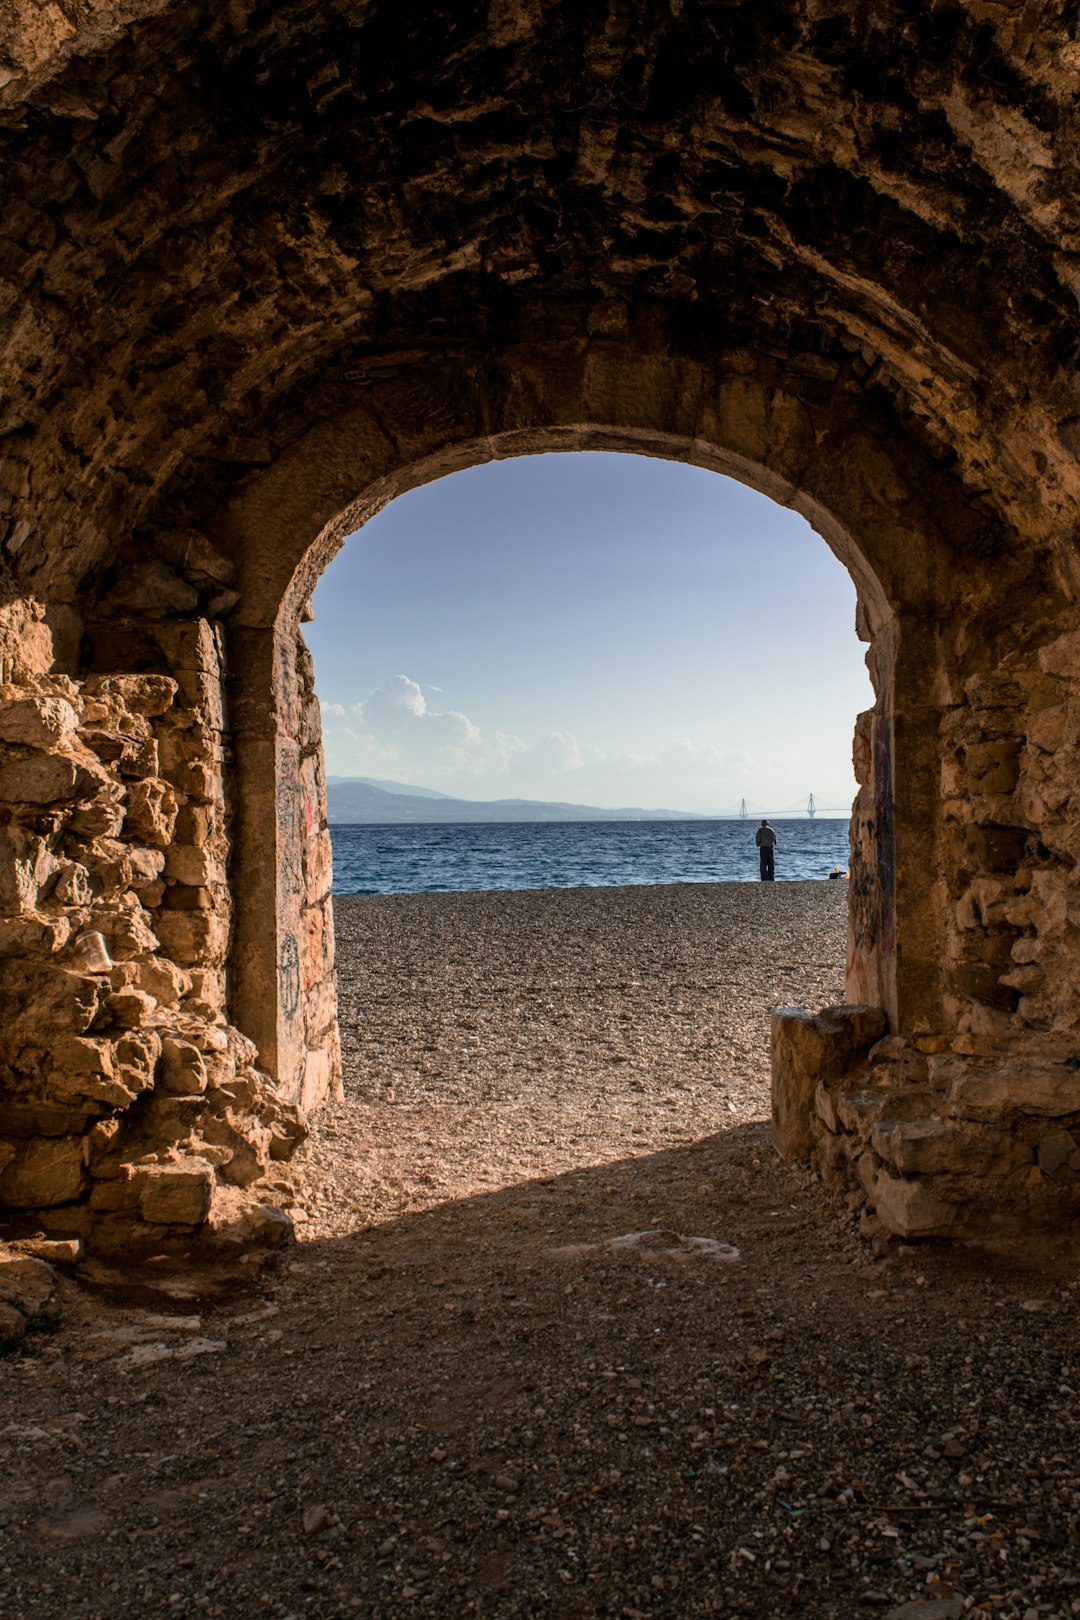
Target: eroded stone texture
<point>265,265</point>
<point>805,1051</point>
<point>130,1104</point>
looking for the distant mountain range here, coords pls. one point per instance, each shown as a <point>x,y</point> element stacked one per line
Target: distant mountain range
<point>359,799</point>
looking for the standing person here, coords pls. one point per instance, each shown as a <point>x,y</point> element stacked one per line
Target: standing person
<point>765,839</point>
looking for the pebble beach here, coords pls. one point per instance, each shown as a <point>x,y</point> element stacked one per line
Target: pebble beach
<point>560,1336</point>
<point>560,1026</point>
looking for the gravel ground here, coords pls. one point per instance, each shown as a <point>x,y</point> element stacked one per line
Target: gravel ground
<point>460,1394</point>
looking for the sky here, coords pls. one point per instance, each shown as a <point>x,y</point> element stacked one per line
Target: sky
<point>602,629</point>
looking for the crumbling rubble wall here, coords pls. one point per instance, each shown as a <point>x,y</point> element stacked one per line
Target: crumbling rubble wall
<point>934,1138</point>
<point>135,1114</point>
<point>967,1125</point>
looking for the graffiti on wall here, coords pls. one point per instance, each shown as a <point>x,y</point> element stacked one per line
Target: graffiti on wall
<point>289,976</point>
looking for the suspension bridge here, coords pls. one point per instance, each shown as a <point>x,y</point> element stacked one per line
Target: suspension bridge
<point>807,806</point>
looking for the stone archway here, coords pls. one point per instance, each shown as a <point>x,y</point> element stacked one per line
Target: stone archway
<point>279,998</point>
<point>263,269</point>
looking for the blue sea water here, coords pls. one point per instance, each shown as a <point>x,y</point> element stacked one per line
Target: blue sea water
<point>409,859</point>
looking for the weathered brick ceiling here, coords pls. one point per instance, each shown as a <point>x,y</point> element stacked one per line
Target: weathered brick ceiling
<point>217,220</point>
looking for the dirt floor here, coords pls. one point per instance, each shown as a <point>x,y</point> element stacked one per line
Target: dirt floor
<point>499,1376</point>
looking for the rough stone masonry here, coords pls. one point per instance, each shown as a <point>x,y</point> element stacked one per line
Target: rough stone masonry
<point>264,265</point>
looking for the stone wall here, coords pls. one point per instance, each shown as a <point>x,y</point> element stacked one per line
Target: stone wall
<point>935,1140</point>
<point>134,1113</point>
<point>968,1127</point>
<point>309,1059</point>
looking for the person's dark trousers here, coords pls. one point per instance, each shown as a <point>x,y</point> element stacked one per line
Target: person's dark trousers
<point>767,873</point>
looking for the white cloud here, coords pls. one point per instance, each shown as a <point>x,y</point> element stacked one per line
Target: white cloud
<point>397,732</point>
<point>396,727</point>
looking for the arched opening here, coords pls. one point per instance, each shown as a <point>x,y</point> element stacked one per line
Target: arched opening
<point>300,1051</point>
<point>600,630</point>
<point>577,592</point>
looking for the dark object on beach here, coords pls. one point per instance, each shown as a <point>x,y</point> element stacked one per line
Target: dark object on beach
<point>765,839</point>
<point>838,872</point>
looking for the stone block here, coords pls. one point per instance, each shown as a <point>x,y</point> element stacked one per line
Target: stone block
<point>288,1129</point>
<point>806,1049</point>
<point>151,811</point>
<point>101,819</point>
<point>177,1194</point>
<point>32,1118</point>
<point>167,1120</point>
<point>126,931</point>
<point>866,1168</point>
<point>141,761</point>
<point>194,554</point>
<point>825,1044</point>
<point>182,897</point>
<point>1062,656</point>
<point>1059,1156</point>
<point>159,978</point>
<point>144,865</point>
<point>931,1147</point>
<point>38,779</point>
<point>135,1057</point>
<point>204,826</point>
<point>34,721</point>
<point>47,1001</point>
<point>203,697</point>
<point>997,1094</point>
<point>858,1110</point>
<point>48,1170</point>
<point>33,936</point>
<point>318,1078</point>
<point>81,1067</point>
<point>983,903</point>
<point>195,743</point>
<point>27,865</point>
<point>72,885</point>
<point>147,695</point>
<point>1049,730</point>
<point>792,1089</point>
<point>188,644</point>
<point>117,1194</point>
<point>151,589</point>
<point>994,767</point>
<point>194,866</point>
<point>895,1061</point>
<point>206,994</point>
<point>195,939</point>
<point>183,1068</point>
<point>910,1209</point>
<point>259,1226</point>
<point>129,1008</point>
<point>29,1283</point>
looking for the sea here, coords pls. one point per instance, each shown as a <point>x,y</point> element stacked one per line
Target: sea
<point>428,858</point>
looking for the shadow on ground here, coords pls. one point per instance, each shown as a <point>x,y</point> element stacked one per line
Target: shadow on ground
<point>483,1409</point>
